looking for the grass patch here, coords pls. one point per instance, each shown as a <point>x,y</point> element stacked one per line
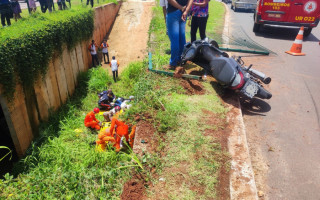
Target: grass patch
<point>61,163</point>
<point>192,160</point>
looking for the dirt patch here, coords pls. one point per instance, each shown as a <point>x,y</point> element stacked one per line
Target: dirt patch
<point>221,134</point>
<point>145,140</point>
<point>192,87</point>
<point>134,188</point>
<point>178,72</point>
<point>129,36</point>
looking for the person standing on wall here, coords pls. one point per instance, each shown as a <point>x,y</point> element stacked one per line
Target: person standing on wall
<point>114,68</point>
<point>176,25</point>
<point>16,10</point>
<point>32,6</point>
<point>93,51</point>
<point>199,19</point>
<point>6,12</point>
<point>43,5</point>
<point>91,2</point>
<point>50,5</point>
<point>104,46</point>
<point>62,5</point>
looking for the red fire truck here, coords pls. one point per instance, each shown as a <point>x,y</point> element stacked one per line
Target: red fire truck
<point>287,13</point>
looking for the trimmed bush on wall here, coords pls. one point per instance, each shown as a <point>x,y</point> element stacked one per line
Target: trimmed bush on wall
<point>27,48</point>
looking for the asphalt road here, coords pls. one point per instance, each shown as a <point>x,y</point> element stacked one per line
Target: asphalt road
<point>284,132</point>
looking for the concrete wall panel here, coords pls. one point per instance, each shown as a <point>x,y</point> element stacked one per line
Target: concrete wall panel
<point>74,65</point>
<point>61,79</point>
<point>42,97</point>
<point>79,57</point>
<point>52,87</point>
<point>66,62</point>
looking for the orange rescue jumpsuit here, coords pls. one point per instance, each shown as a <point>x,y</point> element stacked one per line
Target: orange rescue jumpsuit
<point>121,130</point>
<point>91,122</point>
<point>104,137</point>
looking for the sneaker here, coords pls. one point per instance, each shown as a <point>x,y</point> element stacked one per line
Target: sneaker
<point>172,68</point>
<point>204,76</point>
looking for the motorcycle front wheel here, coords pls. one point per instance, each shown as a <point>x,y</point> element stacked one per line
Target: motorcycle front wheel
<point>263,94</point>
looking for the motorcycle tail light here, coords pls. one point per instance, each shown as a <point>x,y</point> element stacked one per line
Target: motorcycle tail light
<point>240,84</point>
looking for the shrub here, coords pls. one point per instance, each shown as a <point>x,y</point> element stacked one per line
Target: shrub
<point>27,48</point>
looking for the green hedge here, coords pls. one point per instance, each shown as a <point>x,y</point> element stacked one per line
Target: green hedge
<point>27,48</point>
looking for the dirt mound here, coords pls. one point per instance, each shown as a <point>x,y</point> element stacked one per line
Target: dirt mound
<point>192,87</point>
<point>133,189</point>
<point>178,72</point>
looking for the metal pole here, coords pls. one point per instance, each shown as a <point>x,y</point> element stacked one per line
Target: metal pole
<point>170,73</point>
<point>245,51</point>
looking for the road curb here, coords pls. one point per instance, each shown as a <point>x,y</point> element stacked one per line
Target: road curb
<point>242,182</point>
<point>225,32</point>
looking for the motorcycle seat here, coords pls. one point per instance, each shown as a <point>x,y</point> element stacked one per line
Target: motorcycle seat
<point>223,69</point>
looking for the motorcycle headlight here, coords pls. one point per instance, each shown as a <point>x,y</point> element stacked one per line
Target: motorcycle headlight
<point>189,54</point>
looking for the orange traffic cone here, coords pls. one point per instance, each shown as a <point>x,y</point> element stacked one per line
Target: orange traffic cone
<point>297,45</point>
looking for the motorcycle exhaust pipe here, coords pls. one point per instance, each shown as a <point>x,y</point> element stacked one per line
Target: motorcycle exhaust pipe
<point>259,75</point>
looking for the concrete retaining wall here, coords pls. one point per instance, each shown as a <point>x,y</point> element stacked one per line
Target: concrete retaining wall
<point>31,106</point>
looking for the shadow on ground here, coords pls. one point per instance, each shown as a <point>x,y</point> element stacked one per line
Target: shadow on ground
<point>283,33</point>
<point>253,106</point>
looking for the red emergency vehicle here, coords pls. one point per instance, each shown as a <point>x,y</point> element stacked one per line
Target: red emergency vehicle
<point>287,13</point>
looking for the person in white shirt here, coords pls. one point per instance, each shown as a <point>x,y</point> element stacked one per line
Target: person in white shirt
<point>114,68</point>
<point>93,51</point>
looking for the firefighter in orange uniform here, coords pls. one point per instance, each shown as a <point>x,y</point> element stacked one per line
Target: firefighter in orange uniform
<point>122,130</point>
<point>90,121</point>
<point>104,137</point>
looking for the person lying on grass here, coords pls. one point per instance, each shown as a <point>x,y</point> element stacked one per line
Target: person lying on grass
<point>105,99</point>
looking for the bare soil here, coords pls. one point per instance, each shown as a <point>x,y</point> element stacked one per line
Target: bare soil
<point>192,87</point>
<point>134,188</point>
<point>129,35</point>
<point>221,134</point>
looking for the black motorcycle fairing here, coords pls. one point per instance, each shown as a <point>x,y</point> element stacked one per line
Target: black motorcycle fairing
<point>222,68</point>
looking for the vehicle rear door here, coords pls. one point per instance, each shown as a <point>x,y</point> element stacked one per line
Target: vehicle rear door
<point>275,10</point>
<point>304,11</point>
